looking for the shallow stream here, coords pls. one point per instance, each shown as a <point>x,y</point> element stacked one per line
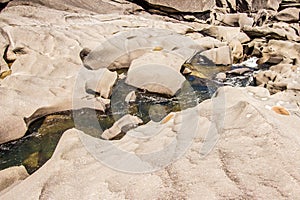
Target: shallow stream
<point>39,143</point>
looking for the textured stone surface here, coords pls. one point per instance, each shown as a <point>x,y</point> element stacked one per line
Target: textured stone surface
<point>117,128</point>
<point>157,72</point>
<point>12,176</point>
<point>246,162</point>
<point>48,71</point>
<point>220,56</point>
<point>289,15</point>
<point>82,6</point>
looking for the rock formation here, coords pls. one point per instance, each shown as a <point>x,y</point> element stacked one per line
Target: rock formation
<point>243,143</point>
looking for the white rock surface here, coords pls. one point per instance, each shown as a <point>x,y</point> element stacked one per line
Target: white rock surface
<point>12,176</point>
<point>220,56</point>
<point>116,129</point>
<point>157,71</point>
<point>101,81</point>
<point>255,156</point>
<point>45,76</point>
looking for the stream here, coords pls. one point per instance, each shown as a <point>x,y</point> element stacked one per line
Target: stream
<point>39,142</point>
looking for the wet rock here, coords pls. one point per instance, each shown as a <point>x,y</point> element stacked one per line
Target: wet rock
<point>116,129</point>
<point>288,15</point>
<point>163,73</point>
<point>220,56</point>
<point>12,176</point>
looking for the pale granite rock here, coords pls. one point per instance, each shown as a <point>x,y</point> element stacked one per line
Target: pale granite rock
<point>46,75</point>
<point>157,72</point>
<point>12,176</point>
<point>239,165</point>
<point>126,122</point>
<point>220,56</point>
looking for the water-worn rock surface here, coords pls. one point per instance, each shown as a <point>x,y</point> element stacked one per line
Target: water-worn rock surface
<point>146,74</point>
<point>246,163</point>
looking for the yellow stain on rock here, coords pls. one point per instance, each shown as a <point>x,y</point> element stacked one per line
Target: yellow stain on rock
<point>4,74</point>
<point>167,118</point>
<point>157,49</point>
<point>280,110</point>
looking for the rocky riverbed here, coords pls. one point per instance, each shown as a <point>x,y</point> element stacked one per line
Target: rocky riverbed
<point>150,99</point>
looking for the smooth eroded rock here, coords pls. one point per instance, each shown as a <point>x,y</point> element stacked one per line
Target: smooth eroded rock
<point>236,161</point>
<point>118,127</point>
<point>220,56</point>
<point>12,176</point>
<point>157,72</point>
<point>289,15</point>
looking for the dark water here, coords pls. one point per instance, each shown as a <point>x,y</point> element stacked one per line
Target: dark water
<point>39,143</point>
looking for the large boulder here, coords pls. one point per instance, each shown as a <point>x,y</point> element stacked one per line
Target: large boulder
<point>279,31</point>
<point>220,56</point>
<point>82,6</point>
<point>157,72</point>
<point>173,150</point>
<point>289,15</point>
<point>224,33</point>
